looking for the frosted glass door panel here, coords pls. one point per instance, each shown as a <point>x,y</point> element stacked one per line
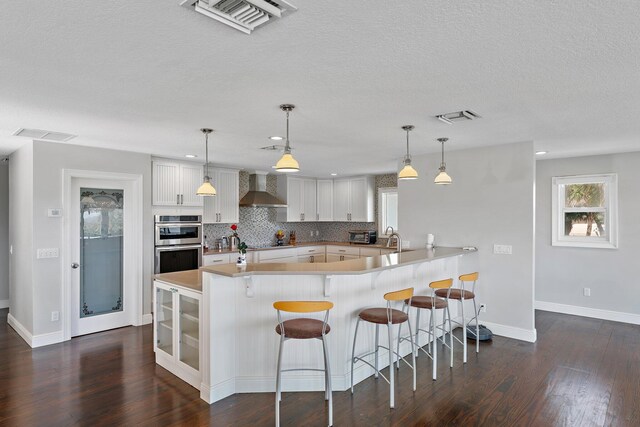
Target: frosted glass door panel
<point>101,251</point>
<point>189,331</point>
<point>164,314</point>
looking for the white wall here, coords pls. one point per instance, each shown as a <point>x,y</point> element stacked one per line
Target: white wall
<point>4,235</point>
<point>490,202</point>
<point>563,272</point>
<point>21,235</point>
<point>49,161</point>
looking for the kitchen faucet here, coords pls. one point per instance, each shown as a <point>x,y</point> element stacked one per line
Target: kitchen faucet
<point>392,235</point>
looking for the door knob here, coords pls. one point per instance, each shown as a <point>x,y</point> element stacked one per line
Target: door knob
<point>75,265</point>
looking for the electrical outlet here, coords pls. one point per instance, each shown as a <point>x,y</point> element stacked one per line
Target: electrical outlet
<point>48,253</point>
<point>483,308</point>
<point>502,249</point>
<point>587,292</point>
<point>55,316</point>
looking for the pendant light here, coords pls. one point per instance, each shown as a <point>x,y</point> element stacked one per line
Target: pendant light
<point>443,178</point>
<point>407,172</point>
<point>287,163</point>
<point>206,189</point>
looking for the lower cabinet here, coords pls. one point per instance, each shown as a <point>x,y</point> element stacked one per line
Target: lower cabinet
<point>311,258</point>
<point>176,331</point>
<point>337,257</point>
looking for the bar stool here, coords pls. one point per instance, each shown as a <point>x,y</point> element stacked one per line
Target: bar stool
<point>461,294</point>
<point>304,328</point>
<point>390,317</point>
<point>431,303</point>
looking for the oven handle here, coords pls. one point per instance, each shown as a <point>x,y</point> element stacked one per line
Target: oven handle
<point>178,224</point>
<point>176,248</point>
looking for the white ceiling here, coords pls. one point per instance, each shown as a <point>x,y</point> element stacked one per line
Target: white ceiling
<point>146,75</point>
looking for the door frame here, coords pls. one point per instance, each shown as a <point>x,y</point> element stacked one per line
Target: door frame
<point>136,278</point>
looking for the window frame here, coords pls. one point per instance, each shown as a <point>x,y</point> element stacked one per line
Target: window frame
<point>558,210</point>
<point>381,210</point>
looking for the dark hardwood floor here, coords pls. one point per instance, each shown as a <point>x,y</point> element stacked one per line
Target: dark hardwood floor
<point>580,372</point>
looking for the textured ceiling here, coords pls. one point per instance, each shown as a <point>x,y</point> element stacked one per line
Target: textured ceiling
<point>146,75</point>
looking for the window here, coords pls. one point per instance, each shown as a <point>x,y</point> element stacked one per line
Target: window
<point>387,209</point>
<point>585,211</point>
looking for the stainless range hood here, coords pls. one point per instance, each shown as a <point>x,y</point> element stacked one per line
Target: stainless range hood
<point>258,196</point>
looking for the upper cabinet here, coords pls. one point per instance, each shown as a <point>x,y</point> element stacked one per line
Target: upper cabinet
<point>353,199</point>
<point>324,204</point>
<point>175,184</point>
<point>300,196</point>
<point>224,206</point>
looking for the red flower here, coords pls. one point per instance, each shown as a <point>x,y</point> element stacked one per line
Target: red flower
<point>234,227</point>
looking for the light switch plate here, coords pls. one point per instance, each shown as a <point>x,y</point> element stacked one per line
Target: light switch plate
<point>48,253</point>
<point>502,249</point>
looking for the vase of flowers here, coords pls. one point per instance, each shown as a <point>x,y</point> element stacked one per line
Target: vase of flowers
<point>234,240</point>
<point>242,250</point>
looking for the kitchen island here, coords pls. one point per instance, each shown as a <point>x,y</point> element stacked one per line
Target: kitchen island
<point>238,343</point>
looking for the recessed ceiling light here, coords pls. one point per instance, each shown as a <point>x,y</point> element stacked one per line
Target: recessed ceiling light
<point>190,156</point>
<point>276,138</point>
<point>541,153</point>
<point>334,174</point>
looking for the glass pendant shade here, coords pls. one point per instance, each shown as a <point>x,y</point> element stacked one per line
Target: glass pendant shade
<point>206,189</point>
<point>407,172</point>
<point>443,178</point>
<point>287,164</point>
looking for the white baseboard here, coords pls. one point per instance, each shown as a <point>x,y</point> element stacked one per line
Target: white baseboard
<point>529,335</point>
<point>596,313</point>
<point>34,340</point>
<point>21,330</point>
<point>146,319</point>
<point>4,303</point>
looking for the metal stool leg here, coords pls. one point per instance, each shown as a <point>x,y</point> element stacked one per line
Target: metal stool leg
<point>413,353</point>
<point>450,336</point>
<point>430,336</point>
<point>475,311</point>
<point>444,332</point>
<point>376,352</point>
<point>392,403</point>
<point>398,345</point>
<point>464,333</point>
<point>417,330</point>
<point>435,343</point>
<point>353,351</point>
<point>328,388</point>
<point>278,381</point>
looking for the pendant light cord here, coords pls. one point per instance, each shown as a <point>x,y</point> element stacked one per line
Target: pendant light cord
<point>206,154</point>
<point>287,148</point>
<point>408,144</point>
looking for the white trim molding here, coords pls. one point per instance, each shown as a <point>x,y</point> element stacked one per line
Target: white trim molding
<point>34,340</point>
<point>528,335</point>
<point>596,313</point>
<point>146,319</point>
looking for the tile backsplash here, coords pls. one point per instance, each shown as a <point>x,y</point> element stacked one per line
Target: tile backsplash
<point>258,226</point>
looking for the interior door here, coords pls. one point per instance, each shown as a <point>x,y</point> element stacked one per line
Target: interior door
<point>101,252</point>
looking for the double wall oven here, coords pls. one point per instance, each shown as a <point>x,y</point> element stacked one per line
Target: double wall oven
<point>178,242</point>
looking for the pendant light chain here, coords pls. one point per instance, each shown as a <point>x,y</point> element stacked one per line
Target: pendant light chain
<point>287,147</point>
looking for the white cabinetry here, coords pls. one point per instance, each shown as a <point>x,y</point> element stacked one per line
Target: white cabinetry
<point>311,254</point>
<point>223,207</point>
<point>353,199</point>
<point>342,253</point>
<point>175,184</point>
<point>300,196</point>
<point>176,331</point>
<point>324,200</point>
<point>287,255</point>
<point>216,259</point>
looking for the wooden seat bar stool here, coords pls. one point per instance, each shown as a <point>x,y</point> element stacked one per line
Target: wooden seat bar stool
<point>303,328</point>
<point>461,295</point>
<point>385,316</point>
<point>432,303</point>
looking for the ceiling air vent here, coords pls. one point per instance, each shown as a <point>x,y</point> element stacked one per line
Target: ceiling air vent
<point>273,148</point>
<point>44,135</point>
<point>243,15</point>
<point>458,116</point>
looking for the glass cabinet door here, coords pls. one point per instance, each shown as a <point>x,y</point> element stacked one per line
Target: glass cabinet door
<point>189,330</point>
<point>164,313</point>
